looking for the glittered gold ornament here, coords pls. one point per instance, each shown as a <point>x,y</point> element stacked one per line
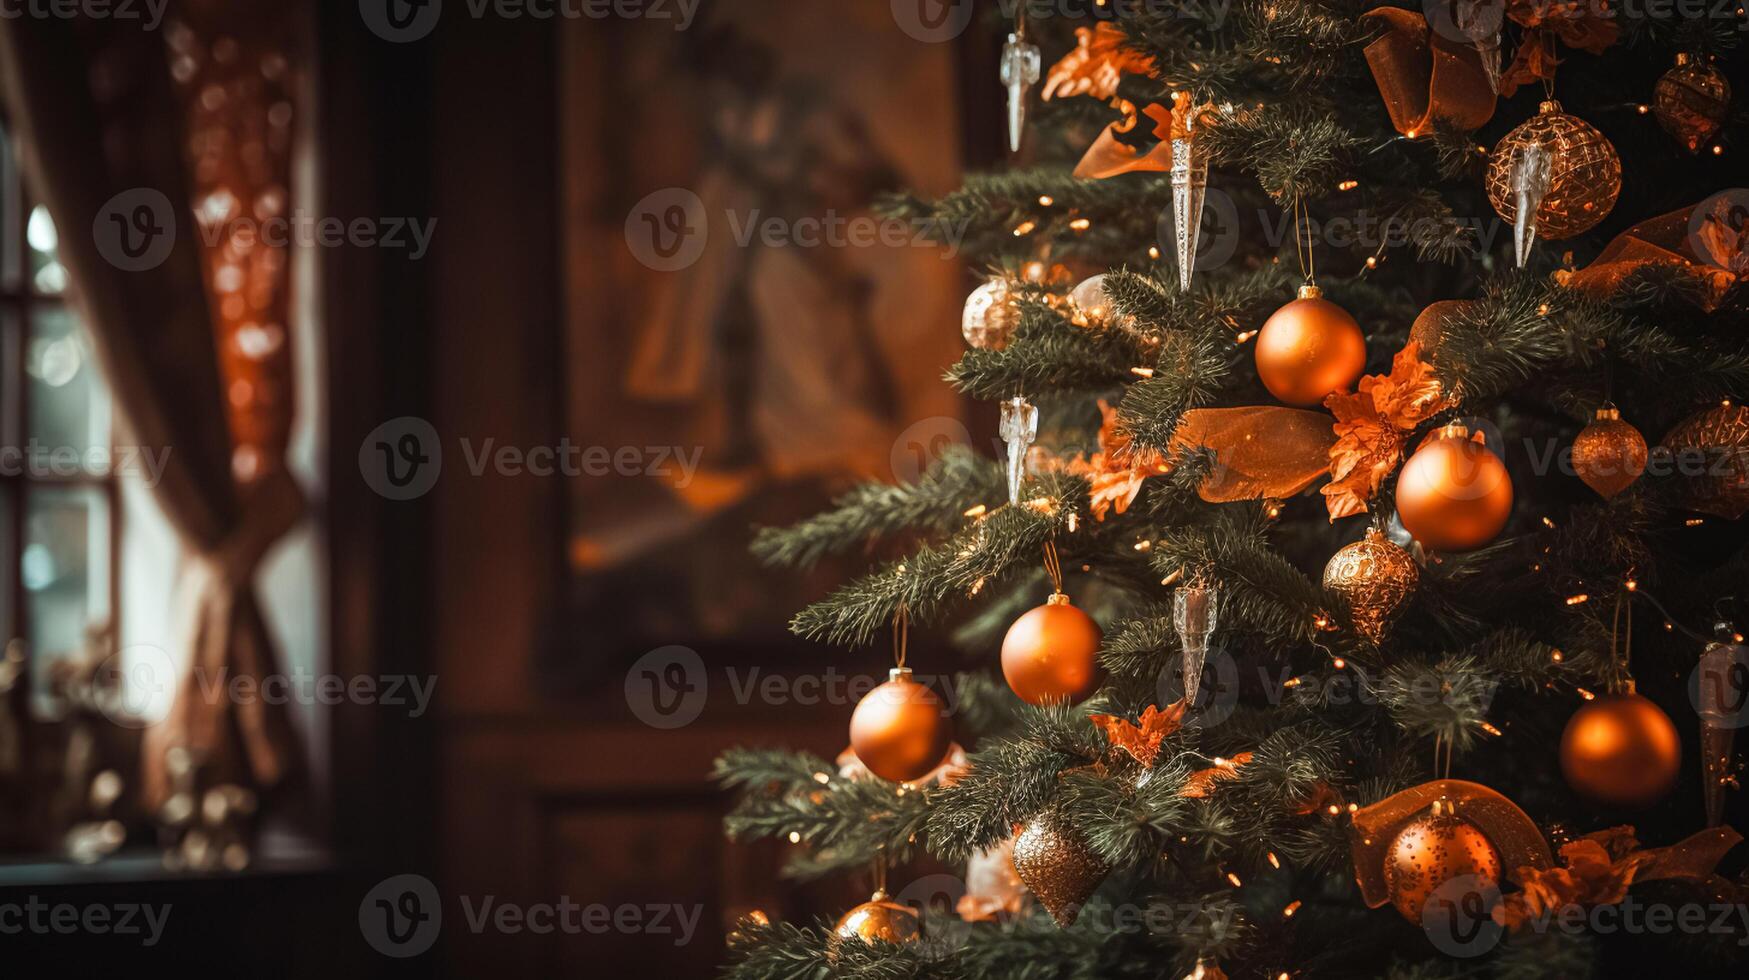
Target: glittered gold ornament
<point>900,730</point>
<point>1050,653</point>
<point>1711,450</point>
<point>1057,865</point>
<point>1622,750</point>
<point>1375,578</point>
<point>1434,850</point>
<point>879,920</point>
<point>1583,173</point>
<point>1692,101</point>
<point>1309,349</point>
<point>1609,454</point>
<point>1454,494</point>
<point>990,316</point>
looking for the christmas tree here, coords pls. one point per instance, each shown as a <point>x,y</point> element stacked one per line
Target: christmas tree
<point>1353,591</point>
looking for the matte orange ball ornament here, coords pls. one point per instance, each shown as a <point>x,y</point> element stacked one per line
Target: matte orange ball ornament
<point>900,730</point>
<point>1051,653</point>
<point>1621,749</point>
<point>1309,349</point>
<point>1454,494</point>
<point>1432,851</point>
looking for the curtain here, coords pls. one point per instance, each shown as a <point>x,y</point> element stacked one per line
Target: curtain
<point>124,133</point>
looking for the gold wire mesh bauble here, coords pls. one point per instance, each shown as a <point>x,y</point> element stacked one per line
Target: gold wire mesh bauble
<point>1308,349</point>
<point>1375,578</point>
<point>879,921</point>
<point>1434,850</point>
<point>1621,749</point>
<point>1057,865</point>
<point>1584,173</point>
<point>1711,451</point>
<point>1692,101</point>
<point>1454,494</point>
<point>900,730</point>
<point>1609,454</point>
<point>990,316</point>
<point>1050,653</point>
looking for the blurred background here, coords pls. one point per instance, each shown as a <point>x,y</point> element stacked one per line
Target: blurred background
<point>384,387</point>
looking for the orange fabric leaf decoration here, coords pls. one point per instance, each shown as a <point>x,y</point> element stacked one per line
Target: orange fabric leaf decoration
<point>1600,867</point>
<point>1371,424</point>
<point>1201,784</point>
<point>1141,739</point>
<point>1575,23</point>
<point>1097,64</point>
<point>1117,470</point>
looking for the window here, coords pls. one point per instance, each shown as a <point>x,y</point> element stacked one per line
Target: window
<point>58,505</point>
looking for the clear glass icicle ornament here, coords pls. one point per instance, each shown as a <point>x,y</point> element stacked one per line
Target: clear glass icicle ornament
<point>1532,174</point>
<point>1195,612</point>
<point>1721,695</point>
<point>1190,181</point>
<point>1019,72</point>
<point>1019,429</point>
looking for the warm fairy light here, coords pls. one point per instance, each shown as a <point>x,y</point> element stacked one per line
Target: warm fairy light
<point>977,511</point>
<point>1372,262</point>
<point>1669,627</point>
<point>1291,682</point>
<point>1234,878</point>
<point>1339,663</point>
<point>1045,201</point>
<point>795,837</point>
<point>1243,337</point>
<point>1548,523</point>
<point>1718,150</point>
<point>1490,729</point>
<point>1274,861</point>
<point>977,586</point>
<point>1080,224</point>
<point>1542,309</point>
<point>1074,520</point>
<point>1694,522</point>
<point>1291,909</point>
<point>1642,109</point>
<point>1348,185</point>
<point>1144,545</point>
<point>1153,251</point>
<point>1574,600</point>
<point>1587,695</point>
<point>1736,638</point>
<point>1274,510</point>
<point>1335,810</point>
<point>1142,372</point>
<point>1321,621</point>
<point>1024,228</point>
<point>822,778</point>
<point>1412,133</point>
<point>1557,656</point>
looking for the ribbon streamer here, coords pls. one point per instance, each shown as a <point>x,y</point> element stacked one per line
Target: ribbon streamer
<point>1425,76</point>
<point>1706,243</point>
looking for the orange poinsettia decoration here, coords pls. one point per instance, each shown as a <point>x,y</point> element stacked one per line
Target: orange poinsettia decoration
<point>1372,424</point>
<point>1141,739</point>
<point>1117,470</point>
<point>1576,23</point>
<point>1097,64</point>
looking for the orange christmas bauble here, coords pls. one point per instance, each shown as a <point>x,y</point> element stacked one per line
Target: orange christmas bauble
<point>879,920</point>
<point>1432,851</point>
<point>1454,493</point>
<point>1621,749</point>
<point>1609,454</point>
<point>1309,349</point>
<point>1050,653</point>
<point>900,730</point>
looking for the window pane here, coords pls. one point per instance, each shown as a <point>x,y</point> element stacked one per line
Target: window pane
<point>69,406</point>
<point>64,568</point>
<point>47,276</point>
<point>10,201</point>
